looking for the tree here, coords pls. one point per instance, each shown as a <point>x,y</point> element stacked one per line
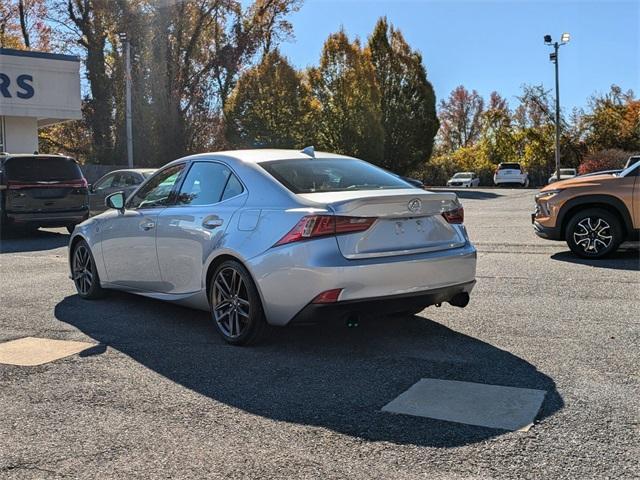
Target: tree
<point>269,107</point>
<point>346,99</point>
<point>614,121</point>
<point>407,99</point>
<point>460,119</point>
<point>94,21</point>
<point>23,24</point>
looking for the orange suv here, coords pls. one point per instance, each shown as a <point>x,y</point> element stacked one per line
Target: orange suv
<point>594,213</point>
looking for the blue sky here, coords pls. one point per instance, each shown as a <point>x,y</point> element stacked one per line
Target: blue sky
<point>492,45</point>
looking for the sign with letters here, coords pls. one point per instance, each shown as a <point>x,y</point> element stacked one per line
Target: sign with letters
<point>22,87</point>
<point>41,85</point>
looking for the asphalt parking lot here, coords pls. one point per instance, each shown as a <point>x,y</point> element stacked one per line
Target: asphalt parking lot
<point>160,395</point>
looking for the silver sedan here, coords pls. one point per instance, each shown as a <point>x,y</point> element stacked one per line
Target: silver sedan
<point>274,237</point>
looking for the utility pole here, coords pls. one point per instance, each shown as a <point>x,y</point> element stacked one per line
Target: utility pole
<point>127,76</point>
<point>555,61</point>
<point>554,58</point>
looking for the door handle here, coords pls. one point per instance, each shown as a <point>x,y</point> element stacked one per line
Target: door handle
<point>147,225</point>
<point>212,222</point>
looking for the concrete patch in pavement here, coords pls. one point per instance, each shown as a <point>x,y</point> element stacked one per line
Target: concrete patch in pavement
<point>31,351</point>
<point>493,406</point>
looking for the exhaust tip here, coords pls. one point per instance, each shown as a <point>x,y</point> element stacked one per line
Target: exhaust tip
<point>460,300</point>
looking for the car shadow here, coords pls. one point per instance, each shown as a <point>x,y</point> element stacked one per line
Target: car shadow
<point>325,375</point>
<point>19,241</point>
<point>469,193</point>
<point>623,259</point>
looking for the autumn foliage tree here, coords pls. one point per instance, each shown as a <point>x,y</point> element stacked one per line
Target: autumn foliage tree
<point>460,118</point>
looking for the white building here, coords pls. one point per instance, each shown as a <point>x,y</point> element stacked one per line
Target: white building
<point>36,89</point>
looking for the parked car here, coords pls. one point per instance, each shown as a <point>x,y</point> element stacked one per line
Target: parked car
<point>42,191</point>
<point>510,174</point>
<point>117,181</point>
<point>259,237</point>
<point>464,179</point>
<point>565,174</point>
<point>593,214</point>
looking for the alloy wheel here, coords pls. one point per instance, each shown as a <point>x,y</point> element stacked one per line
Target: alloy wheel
<point>593,235</point>
<point>231,305</point>
<point>83,271</point>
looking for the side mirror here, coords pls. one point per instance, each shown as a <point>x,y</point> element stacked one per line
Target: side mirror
<point>115,200</point>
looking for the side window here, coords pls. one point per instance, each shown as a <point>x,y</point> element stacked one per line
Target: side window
<point>233,188</point>
<point>204,184</point>
<point>158,189</point>
<point>130,179</point>
<point>105,182</point>
<point>119,181</point>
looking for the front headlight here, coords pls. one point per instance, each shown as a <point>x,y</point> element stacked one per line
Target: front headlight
<point>547,195</point>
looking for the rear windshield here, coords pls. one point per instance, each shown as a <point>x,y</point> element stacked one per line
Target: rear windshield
<point>42,169</point>
<point>331,175</point>
<point>567,171</point>
<point>509,166</point>
<point>462,175</point>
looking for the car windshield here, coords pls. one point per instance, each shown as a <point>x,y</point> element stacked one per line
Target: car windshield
<point>462,175</point>
<point>331,175</point>
<point>42,169</point>
<point>567,171</point>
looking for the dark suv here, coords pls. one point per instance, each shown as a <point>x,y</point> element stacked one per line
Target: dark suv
<point>42,191</point>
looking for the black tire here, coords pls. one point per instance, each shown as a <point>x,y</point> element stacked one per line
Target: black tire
<point>236,308</point>
<point>593,233</point>
<point>84,272</point>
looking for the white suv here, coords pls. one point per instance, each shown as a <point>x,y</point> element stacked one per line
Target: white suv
<point>510,173</point>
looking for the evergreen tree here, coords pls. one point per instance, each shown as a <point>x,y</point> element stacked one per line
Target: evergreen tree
<point>407,100</point>
<point>346,101</point>
<point>269,107</point>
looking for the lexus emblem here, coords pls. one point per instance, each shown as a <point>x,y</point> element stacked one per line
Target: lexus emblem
<point>415,205</point>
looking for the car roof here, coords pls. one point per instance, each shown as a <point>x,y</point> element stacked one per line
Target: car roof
<point>6,156</point>
<point>259,155</point>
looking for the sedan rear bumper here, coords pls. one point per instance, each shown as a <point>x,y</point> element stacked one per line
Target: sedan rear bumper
<point>290,277</point>
<point>381,305</point>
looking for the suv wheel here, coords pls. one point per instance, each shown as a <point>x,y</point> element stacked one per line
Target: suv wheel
<point>593,233</point>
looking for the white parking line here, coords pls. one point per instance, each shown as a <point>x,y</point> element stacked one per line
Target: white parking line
<point>494,406</point>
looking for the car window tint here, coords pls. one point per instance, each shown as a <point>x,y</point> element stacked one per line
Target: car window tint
<point>203,184</point>
<point>37,169</point>
<point>331,175</point>
<point>509,166</point>
<point>105,182</point>
<point>157,190</point>
<point>233,188</point>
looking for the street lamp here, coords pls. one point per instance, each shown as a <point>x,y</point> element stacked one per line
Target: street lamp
<point>554,58</point>
<point>127,75</point>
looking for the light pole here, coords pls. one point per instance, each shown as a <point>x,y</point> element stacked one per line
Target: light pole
<point>127,75</point>
<point>564,39</point>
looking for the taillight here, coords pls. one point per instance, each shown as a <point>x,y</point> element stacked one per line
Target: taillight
<point>313,226</point>
<point>329,296</point>
<point>454,216</point>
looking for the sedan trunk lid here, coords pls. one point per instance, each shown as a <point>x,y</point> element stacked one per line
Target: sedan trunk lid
<point>408,221</point>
